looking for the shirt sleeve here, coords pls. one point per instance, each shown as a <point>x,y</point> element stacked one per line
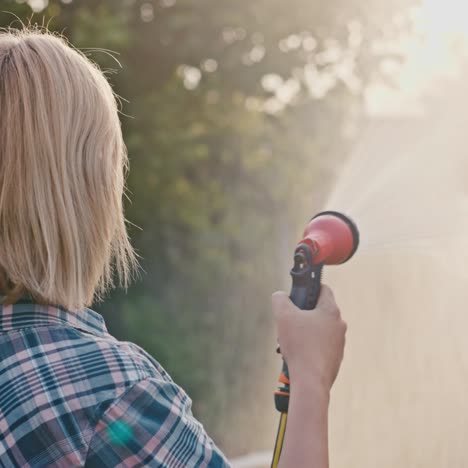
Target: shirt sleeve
<point>152,425</point>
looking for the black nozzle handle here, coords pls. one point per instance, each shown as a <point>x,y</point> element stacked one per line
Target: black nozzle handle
<point>305,293</point>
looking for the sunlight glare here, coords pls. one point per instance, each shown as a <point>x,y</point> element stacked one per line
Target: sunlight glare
<point>434,52</point>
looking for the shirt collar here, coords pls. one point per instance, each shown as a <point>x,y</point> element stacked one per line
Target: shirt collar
<point>27,314</point>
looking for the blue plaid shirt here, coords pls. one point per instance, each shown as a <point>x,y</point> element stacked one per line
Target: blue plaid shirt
<point>72,395</point>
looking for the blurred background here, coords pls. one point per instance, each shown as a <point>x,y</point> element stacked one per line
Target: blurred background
<point>242,120</point>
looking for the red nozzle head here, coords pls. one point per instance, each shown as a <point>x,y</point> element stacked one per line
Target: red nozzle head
<point>333,238</point>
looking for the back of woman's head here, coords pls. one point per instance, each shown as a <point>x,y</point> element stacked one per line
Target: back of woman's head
<point>62,171</point>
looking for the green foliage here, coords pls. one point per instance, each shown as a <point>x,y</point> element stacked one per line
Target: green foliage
<point>220,188</point>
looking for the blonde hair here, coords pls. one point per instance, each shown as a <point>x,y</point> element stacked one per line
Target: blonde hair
<point>62,174</point>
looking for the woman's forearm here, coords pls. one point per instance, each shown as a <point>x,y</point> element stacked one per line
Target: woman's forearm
<point>306,438</point>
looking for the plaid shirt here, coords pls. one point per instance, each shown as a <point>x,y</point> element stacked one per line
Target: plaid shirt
<point>72,395</point>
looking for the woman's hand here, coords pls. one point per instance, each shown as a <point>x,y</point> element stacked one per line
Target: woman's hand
<point>311,341</point>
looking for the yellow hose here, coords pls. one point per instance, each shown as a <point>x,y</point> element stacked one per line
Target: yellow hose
<point>279,440</point>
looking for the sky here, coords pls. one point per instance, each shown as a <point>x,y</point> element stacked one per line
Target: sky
<point>434,55</point>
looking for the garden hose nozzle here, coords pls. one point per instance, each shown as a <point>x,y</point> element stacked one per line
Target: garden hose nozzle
<point>330,238</point>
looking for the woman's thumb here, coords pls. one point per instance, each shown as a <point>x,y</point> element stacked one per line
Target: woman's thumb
<point>280,303</point>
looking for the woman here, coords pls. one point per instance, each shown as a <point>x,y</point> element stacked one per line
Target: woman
<point>70,393</point>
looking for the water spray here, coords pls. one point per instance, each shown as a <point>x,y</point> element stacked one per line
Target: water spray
<point>330,238</point>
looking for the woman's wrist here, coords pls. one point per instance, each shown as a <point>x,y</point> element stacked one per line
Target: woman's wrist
<point>305,384</point>
<point>306,439</point>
